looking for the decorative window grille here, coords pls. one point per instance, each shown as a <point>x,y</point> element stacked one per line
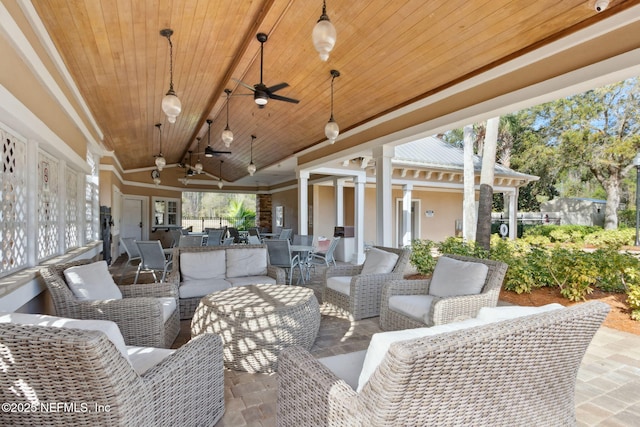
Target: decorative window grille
<point>92,207</point>
<point>165,211</point>
<point>71,231</point>
<point>48,209</point>
<point>13,204</point>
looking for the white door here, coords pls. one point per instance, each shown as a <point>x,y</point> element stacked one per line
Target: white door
<point>131,224</point>
<point>415,221</point>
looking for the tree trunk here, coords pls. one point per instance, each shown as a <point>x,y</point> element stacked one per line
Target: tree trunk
<point>612,187</point>
<point>483,231</point>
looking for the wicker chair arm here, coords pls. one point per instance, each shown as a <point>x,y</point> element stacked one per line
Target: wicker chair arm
<point>188,386</point>
<point>278,273</point>
<point>366,280</point>
<point>309,394</point>
<point>156,290</point>
<point>173,276</point>
<point>453,309</point>
<point>406,287</point>
<point>343,270</point>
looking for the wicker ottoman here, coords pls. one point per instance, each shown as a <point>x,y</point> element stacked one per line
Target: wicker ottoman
<point>257,321</point>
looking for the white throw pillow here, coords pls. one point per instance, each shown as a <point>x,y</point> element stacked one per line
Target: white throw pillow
<point>246,262</point>
<point>379,261</point>
<point>202,265</point>
<point>92,282</point>
<point>452,277</point>
<point>109,328</point>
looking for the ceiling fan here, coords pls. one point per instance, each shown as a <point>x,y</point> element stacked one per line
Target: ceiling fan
<point>209,151</point>
<point>262,92</point>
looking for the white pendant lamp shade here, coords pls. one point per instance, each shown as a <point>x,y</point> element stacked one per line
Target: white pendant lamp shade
<point>156,181</point>
<point>219,184</point>
<point>160,162</point>
<point>331,130</point>
<point>227,137</point>
<point>198,167</point>
<point>324,35</point>
<point>171,106</point>
<point>251,168</point>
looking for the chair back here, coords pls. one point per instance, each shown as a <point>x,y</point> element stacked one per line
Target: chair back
<point>285,234</point>
<point>228,241</point>
<point>301,239</point>
<point>62,296</point>
<point>152,254</point>
<point>279,252</point>
<point>332,247</point>
<point>233,232</point>
<point>214,237</point>
<point>403,257</point>
<point>130,247</point>
<point>190,241</point>
<point>175,236</point>
<point>253,240</point>
<point>253,231</point>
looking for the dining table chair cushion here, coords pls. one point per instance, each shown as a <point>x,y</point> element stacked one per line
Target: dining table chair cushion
<point>202,265</point>
<point>417,307</point>
<point>340,284</point>
<point>452,277</point>
<point>379,262</point>
<point>198,287</point>
<point>251,280</point>
<point>91,282</point>
<point>247,262</point>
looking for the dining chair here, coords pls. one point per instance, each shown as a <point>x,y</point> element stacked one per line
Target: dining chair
<point>280,256</point>
<point>153,259</point>
<point>214,237</point>
<point>190,241</point>
<point>133,254</point>
<point>285,233</point>
<point>325,258</point>
<point>253,240</point>
<point>228,241</point>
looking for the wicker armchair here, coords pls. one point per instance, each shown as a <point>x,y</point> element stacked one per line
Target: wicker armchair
<point>483,376</point>
<point>363,299</point>
<point>446,309</point>
<point>84,370</point>
<point>138,314</point>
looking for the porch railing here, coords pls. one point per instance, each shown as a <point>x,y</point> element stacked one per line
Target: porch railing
<point>200,224</point>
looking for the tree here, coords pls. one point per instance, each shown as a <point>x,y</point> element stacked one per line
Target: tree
<point>483,231</point>
<point>596,134</point>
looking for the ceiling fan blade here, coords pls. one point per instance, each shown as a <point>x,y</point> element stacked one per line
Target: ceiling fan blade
<point>240,82</point>
<point>283,98</point>
<point>277,87</point>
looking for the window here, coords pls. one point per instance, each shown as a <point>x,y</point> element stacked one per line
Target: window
<point>165,211</point>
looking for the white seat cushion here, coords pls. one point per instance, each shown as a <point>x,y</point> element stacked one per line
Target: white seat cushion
<point>251,280</point>
<point>452,277</point>
<point>200,288</point>
<point>346,366</point>
<point>168,307</point>
<point>340,284</point>
<point>380,342</point>
<point>92,282</point>
<point>144,358</point>
<point>109,328</point>
<point>246,262</point>
<point>417,307</point>
<point>379,261</point>
<point>202,265</point>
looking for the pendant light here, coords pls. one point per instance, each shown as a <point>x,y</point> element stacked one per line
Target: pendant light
<point>155,175</point>
<point>198,166</point>
<point>227,135</point>
<point>220,175</point>
<point>160,161</point>
<point>170,103</point>
<point>252,167</point>
<point>324,34</point>
<point>331,129</point>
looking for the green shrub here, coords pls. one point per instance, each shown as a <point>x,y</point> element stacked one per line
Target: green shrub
<point>611,238</point>
<point>562,233</point>
<point>617,270</point>
<point>573,271</point>
<point>633,299</point>
<point>457,246</point>
<point>422,256</point>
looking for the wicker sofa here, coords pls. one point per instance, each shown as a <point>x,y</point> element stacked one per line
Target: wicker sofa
<point>484,375</point>
<point>199,271</point>
<point>140,314</point>
<point>85,366</point>
<point>419,308</point>
<point>354,290</point>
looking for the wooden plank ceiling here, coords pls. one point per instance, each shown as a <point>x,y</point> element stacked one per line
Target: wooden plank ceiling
<point>389,53</point>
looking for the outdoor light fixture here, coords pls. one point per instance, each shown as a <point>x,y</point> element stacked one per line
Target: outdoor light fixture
<point>636,163</point>
<point>155,175</point>
<point>331,129</point>
<point>324,34</point>
<point>208,152</point>
<point>198,166</point>
<point>170,103</point>
<point>160,161</point>
<point>252,167</point>
<point>220,175</point>
<point>227,135</point>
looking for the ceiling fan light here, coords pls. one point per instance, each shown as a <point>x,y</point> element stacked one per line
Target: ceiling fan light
<point>324,37</point>
<point>331,130</point>
<point>260,97</point>
<point>227,136</point>
<point>160,162</point>
<point>156,181</point>
<point>208,152</point>
<point>171,106</point>
<point>251,168</point>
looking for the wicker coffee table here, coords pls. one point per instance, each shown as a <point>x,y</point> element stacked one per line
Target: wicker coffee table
<point>257,321</point>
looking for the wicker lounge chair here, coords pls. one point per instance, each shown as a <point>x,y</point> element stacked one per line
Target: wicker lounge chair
<point>360,293</point>
<point>441,309</point>
<point>519,372</point>
<point>139,313</point>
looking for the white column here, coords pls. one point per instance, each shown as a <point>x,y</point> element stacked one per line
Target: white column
<point>513,214</point>
<point>338,184</point>
<point>384,219</point>
<point>406,214</point>
<point>359,181</point>
<point>32,202</point>
<point>303,202</point>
